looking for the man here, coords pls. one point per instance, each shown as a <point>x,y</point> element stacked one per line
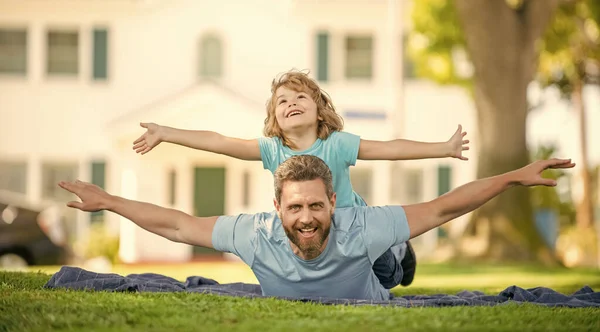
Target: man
<point>307,248</point>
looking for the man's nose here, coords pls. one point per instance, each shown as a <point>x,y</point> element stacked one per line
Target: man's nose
<point>306,216</point>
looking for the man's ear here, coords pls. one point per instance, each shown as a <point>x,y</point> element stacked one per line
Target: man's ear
<point>277,207</point>
<point>332,201</point>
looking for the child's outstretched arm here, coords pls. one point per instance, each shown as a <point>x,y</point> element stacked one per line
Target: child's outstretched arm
<point>197,139</point>
<point>401,149</point>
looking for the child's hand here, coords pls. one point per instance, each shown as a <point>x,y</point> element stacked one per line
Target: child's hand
<point>457,145</point>
<point>150,139</point>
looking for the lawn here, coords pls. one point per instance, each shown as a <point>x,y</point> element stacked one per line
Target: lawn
<point>25,306</point>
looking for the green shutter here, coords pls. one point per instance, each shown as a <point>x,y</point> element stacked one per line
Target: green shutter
<point>99,179</point>
<point>172,186</point>
<point>209,198</point>
<point>323,56</point>
<point>100,54</point>
<point>13,57</point>
<point>444,179</point>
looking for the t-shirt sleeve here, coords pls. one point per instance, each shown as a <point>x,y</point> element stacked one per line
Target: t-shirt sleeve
<point>268,152</point>
<point>346,146</point>
<point>384,227</point>
<point>236,235</point>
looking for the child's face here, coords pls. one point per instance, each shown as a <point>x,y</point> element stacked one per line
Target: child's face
<point>294,110</point>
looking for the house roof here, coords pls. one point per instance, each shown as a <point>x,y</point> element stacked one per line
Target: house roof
<point>207,105</point>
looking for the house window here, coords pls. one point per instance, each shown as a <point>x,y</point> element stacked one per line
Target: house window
<point>407,185</point>
<point>63,53</point>
<point>362,179</point>
<point>100,54</point>
<point>211,57</point>
<point>359,57</point>
<point>413,184</point>
<point>323,56</point>
<point>13,176</point>
<point>13,51</point>
<point>52,173</point>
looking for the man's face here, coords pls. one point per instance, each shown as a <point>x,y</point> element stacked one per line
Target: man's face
<point>305,212</point>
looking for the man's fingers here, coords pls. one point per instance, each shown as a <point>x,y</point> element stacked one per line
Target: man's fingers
<point>559,163</point>
<point>139,144</point>
<point>567,165</point>
<point>141,138</point>
<point>66,186</point>
<point>548,182</point>
<point>76,205</point>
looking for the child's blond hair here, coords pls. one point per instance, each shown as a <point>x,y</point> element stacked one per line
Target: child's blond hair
<point>329,121</point>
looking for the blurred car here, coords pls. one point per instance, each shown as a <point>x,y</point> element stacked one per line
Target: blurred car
<point>31,236</point>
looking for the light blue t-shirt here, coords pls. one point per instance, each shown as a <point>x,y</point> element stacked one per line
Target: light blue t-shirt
<point>339,151</point>
<point>344,268</point>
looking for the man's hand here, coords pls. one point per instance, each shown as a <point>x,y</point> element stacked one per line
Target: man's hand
<point>531,175</point>
<point>457,144</point>
<point>151,138</point>
<point>93,198</point>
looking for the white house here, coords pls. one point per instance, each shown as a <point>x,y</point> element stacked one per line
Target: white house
<point>77,77</point>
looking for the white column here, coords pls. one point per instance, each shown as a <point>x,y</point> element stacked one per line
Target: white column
<point>34,179</point>
<point>127,232</point>
<point>85,53</point>
<point>381,184</point>
<point>113,186</point>
<point>393,70</point>
<point>36,46</point>
<point>428,240</point>
<point>393,81</point>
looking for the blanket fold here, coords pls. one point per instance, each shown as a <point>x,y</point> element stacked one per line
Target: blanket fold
<point>80,279</point>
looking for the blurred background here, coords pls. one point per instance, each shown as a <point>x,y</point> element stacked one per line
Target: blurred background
<point>78,76</point>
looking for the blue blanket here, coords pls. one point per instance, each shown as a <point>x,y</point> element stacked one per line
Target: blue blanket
<point>79,279</point>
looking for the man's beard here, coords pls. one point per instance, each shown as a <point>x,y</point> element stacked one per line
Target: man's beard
<point>310,248</point>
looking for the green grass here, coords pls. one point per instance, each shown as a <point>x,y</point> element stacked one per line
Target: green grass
<point>25,306</point>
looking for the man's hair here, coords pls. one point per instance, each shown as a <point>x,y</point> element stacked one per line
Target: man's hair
<point>303,168</point>
<point>300,82</point>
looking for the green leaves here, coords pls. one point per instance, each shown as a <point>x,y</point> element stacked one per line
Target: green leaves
<point>436,42</point>
<point>570,51</point>
<point>570,48</point>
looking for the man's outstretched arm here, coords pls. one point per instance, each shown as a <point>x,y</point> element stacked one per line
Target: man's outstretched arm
<point>168,223</point>
<point>466,198</point>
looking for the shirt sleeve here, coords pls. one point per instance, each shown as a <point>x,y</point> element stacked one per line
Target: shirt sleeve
<point>236,235</point>
<point>346,146</point>
<point>268,151</point>
<point>384,227</point>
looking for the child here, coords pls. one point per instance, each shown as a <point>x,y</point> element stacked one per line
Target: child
<point>302,120</point>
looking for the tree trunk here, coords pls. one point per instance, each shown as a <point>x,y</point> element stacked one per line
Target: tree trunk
<point>585,212</point>
<point>501,44</point>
